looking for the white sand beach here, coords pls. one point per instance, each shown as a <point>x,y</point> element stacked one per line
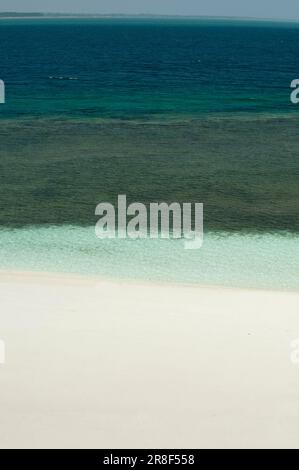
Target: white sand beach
<point>95,363</point>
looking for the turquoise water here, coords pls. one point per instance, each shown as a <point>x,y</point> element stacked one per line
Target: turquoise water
<point>159,110</point>
<point>257,261</point>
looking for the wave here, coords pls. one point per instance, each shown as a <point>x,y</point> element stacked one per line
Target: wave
<point>62,78</point>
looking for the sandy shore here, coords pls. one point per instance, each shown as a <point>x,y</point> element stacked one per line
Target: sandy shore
<point>113,365</point>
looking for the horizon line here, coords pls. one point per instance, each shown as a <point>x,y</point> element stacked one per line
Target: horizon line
<point>40,14</point>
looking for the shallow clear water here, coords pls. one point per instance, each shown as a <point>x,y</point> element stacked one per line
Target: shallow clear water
<point>257,261</point>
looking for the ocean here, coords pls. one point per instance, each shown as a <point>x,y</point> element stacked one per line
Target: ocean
<point>184,110</point>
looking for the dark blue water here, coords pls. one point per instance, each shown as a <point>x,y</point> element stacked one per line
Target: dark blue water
<point>147,68</point>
